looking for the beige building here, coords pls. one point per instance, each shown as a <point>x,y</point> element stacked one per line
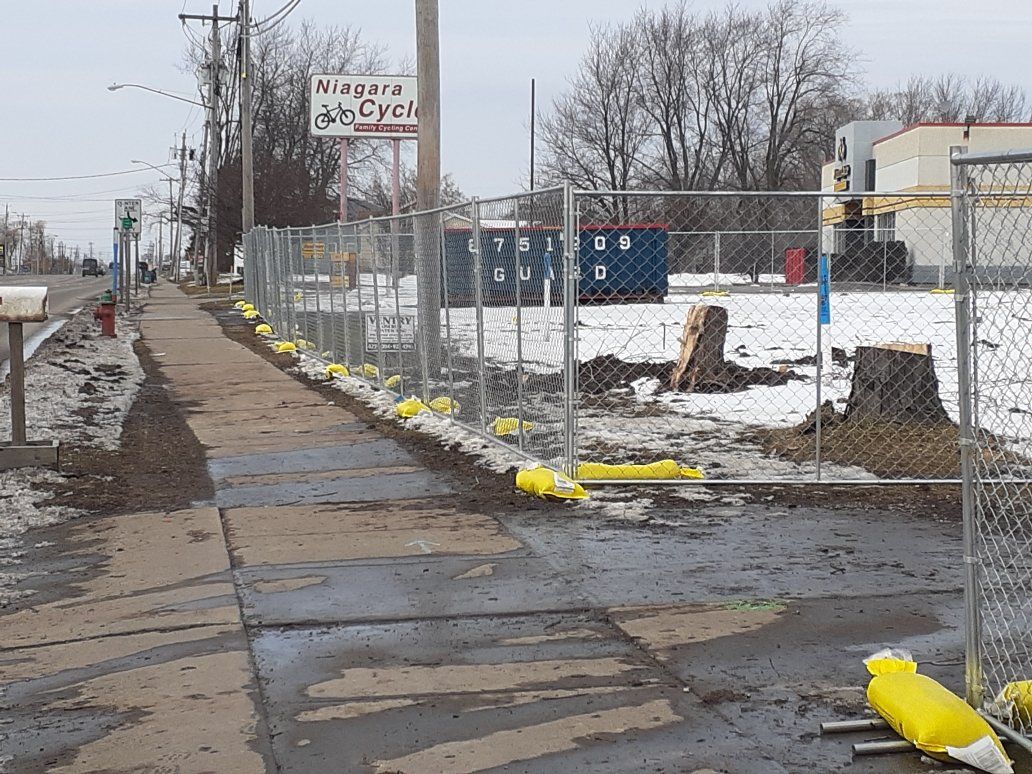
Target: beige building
<point>914,162</point>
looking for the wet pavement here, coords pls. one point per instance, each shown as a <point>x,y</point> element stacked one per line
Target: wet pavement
<point>341,608</point>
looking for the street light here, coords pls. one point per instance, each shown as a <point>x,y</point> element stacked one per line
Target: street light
<point>156,169</point>
<point>117,86</point>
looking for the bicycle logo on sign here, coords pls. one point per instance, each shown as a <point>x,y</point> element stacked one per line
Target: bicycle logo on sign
<point>338,115</point>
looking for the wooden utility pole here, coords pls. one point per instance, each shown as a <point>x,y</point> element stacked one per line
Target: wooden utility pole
<point>211,271</point>
<point>179,209</point>
<point>428,71</point>
<point>214,137</point>
<point>246,153</point>
<point>428,183</point>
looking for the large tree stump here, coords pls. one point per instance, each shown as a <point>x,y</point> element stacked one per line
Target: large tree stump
<point>895,383</point>
<point>702,348</point>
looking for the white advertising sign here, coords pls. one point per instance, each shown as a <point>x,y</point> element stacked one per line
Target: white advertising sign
<point>128,215</point>
<point>397,334</point>
<point>362,106</point>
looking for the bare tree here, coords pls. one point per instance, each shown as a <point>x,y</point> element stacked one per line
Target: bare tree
<point>948,97</point>
<point>376,190</point>
<point>674,80</point>
<point>596,132</point>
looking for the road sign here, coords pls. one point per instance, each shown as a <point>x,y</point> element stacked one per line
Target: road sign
<point>129,215</point>
<point>362,106</point>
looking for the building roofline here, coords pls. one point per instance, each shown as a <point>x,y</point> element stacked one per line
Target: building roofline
<point>997,124</point>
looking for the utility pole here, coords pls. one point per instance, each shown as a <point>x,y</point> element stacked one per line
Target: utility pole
<point>179,217</point>
<point>21,243</point>
<point>214,137</point>
<point>428,182</point>
<point>211,272</point>
<point>246,134</point>
<point>7,254</point>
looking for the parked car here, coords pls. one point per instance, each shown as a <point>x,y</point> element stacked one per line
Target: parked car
<point>91,267</point>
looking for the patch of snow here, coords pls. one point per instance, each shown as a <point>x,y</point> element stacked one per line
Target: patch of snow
<point>79,388</point>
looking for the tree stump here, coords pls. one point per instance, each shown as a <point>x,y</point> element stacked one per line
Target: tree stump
<point>702,348</point>
<point>895,383</point>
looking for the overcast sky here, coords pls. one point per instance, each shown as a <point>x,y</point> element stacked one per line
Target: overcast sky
<point>58,56</point>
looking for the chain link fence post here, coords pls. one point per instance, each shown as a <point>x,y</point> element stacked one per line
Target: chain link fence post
<point>478,301</point>
<point>570,274</point>
<point>962,305</point>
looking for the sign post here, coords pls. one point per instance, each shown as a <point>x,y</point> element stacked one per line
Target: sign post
<point>129,224</point>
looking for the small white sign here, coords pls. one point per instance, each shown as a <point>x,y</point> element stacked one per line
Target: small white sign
<point>129,215</point>
<point>397,334</point>
<point>362,106</point>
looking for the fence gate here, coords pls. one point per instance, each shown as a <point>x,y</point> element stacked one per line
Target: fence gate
<point>992,211</point>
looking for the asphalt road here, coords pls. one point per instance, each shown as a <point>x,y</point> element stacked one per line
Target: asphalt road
<point>68,293</point>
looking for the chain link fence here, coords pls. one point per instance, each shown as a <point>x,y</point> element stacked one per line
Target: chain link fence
<point>767,337</point>
<point>993,242</point>
<point>464,307</point>
<point>704,335</point>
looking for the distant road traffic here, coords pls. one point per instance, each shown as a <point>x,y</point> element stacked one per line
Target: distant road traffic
<point>67,293</point>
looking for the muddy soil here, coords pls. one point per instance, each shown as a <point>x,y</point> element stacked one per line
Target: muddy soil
<point>487,491</point>
<point>159,466</point>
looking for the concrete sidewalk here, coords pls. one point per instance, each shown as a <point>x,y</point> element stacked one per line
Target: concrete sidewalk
<point>339,608</point>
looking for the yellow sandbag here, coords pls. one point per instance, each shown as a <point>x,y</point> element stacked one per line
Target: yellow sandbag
<point>1015,702</point>
<point>714,293</point>
<point>370,371</point>
<point>239,304</point>
<point>445,405</point>
<point>304,344</point>
<point>286,346</point>
<point>250,314</point>
<point>932,718</point>
<point>336,369</point>
<point>392,381</point>
<point>327,354</point>
<point>410,408</point>
<point>547,484</point>
<point>663,469</point>
<point>263,328</point>
<point>509,426</point>
<point>247,308</point>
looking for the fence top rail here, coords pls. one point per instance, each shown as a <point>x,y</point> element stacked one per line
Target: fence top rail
<point>771,194</point>
<point>1013,156</point>
<point>521,195</point>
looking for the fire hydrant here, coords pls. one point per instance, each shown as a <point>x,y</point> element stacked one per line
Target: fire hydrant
<point>105,312</point>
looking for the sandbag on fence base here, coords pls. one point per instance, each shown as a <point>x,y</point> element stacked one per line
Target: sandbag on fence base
<point>549,485</point>
<point>661,470</point>
<point>931,717</point>
<point>409,408</point>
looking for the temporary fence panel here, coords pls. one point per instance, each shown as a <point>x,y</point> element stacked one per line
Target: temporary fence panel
<point>712,365</point>
<point>770,337</point>
<point>993,253</point>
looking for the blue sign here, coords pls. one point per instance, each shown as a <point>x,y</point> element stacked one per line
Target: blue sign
<point>824,290</point>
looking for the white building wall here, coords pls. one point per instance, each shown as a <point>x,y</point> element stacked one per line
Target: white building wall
<point>928,234</point>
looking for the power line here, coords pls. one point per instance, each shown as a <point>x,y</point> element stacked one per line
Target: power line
<point>71,177</point>
<point>285,10</point>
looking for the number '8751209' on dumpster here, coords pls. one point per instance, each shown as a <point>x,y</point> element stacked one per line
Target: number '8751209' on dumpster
<point>617,263</point>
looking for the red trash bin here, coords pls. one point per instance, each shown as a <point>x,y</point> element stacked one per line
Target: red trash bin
<point>795,265</point>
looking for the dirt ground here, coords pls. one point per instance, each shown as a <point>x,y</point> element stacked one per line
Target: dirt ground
<point>491,491</point>
<point>159,466</point>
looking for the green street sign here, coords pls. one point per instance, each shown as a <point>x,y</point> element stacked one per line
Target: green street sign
<point>127,224</point>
